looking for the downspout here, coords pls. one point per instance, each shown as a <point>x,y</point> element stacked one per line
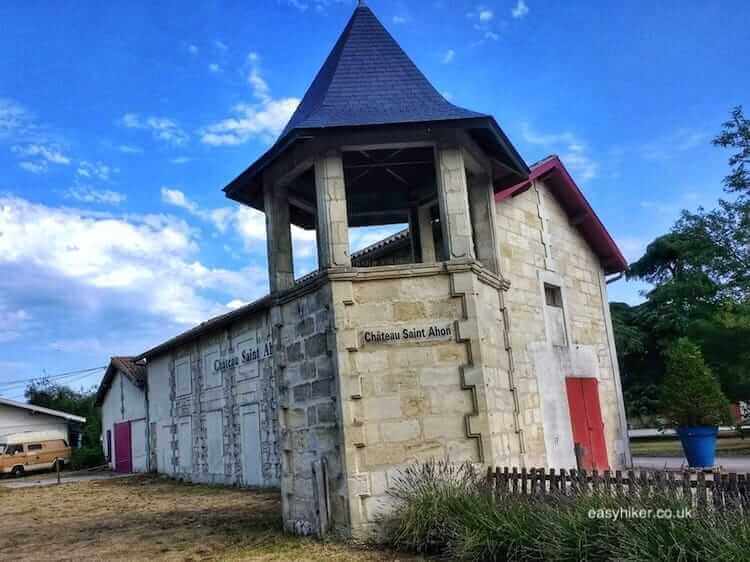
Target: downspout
<point>148,425</point>
<point>603,282</point>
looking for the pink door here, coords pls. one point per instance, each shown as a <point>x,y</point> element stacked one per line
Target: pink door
<point>123,448</point>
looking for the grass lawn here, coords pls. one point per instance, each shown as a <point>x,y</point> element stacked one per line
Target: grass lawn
<point>151,518</point>
<point>725,446</point>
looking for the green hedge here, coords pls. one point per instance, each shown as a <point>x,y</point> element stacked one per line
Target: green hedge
<point>86,457</point>
<point>446,510</point>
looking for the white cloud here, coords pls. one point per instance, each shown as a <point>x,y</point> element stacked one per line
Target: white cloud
<point>34,167</point>
<point>632,247</point>
<point>130,149</point>
<point>246,222</point>
<point>215,68</point>
<point>449,56</point>
<point>520,10</point>
<point>87,194</point>
<point>668,146</point>
<point>177,198</point>
<point>50,154</point>
<point>80,345</point>
<point>180,160</point>
<point>144,262</point>
<point>220,45</point>
<point>319,6</point>
<point>162,128</point>
<point>192,49</point>
<point>264,119</point>
<point>573,152</point>
<point>400,20</point>
<point>486,15</point>
<point>12,322</point>
<point>12,115</point>
<point>235,304</point>
<point>484,24</point>
<point>251,121</point>
<point>95,170</point>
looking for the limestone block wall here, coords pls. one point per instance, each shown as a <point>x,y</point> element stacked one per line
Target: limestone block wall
<point>313,485</point>
<point>538,245</point>
<point>187,394</point>
<point>418,351</point>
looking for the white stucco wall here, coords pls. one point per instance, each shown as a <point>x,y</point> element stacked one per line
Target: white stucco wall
<point>18,420</point>
<point>538,246</point>
<point>126,402</point>
<point>160,414</point>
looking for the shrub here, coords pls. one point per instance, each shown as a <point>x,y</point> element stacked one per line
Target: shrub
<point>86,457</point>
<point>691,395</point>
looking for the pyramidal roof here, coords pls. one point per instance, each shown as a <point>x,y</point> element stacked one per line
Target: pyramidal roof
<point>368,79</point>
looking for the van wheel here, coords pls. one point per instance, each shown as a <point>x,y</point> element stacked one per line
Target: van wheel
<point>17,471</point>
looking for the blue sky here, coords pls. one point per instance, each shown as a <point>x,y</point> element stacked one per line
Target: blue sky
<point>120,122</point>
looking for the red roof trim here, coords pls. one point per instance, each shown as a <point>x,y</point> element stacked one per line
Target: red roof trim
<point>552,171</point>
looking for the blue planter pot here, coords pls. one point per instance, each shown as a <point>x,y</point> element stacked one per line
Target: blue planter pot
<point>699,444</point>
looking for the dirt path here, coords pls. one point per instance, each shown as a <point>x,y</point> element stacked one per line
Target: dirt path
<point>149,518</point>
<point>50,479</point>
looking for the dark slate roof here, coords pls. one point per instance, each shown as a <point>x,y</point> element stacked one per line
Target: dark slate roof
<point>130,367</point>
<point>369,80</point>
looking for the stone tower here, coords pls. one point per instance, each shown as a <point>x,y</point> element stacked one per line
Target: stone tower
<point>377,367</point>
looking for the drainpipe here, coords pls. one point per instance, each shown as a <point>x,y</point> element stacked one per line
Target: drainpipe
<point>148,425</point>
<point>603,282</point>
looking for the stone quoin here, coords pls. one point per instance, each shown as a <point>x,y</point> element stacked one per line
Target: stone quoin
<point>479,332</point>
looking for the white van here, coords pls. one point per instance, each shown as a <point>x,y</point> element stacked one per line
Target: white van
<point>33,450</point>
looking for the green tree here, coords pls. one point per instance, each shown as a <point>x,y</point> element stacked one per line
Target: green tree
<point>700,272</point>
<point>691,395</point>
<point>43,392</point>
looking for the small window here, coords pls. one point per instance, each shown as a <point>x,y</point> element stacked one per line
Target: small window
<point>553,296</point>
<point>35,447</point>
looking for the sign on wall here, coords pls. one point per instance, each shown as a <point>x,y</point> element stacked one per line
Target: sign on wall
<point>409,334</point>
<point>243,357</point>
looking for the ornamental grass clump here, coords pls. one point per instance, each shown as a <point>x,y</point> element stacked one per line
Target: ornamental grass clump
<point>449,510</point>
<point>427,497</point>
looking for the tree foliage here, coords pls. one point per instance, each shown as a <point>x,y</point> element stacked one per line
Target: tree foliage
<point>44,393</point>
<point>700,277</point>
<point>691,395</point>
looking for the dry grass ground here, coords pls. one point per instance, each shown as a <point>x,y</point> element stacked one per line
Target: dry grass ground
<point>150,518</point>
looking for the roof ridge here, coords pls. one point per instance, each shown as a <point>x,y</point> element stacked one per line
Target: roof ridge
<point>322,71</point>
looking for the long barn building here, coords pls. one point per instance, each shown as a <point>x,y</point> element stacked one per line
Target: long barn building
<point>480,333</point>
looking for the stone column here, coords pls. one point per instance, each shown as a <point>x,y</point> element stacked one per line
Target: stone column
<point>333,224</point>
<point>453,198</point>
<point>426,239</point>
<point>482,206</point>
<point>278,237</point>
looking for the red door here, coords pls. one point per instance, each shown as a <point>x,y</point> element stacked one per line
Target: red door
<point>586,421</point>
<point>123,448</point>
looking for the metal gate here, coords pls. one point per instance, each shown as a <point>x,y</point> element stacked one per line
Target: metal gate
<point>586,421</point>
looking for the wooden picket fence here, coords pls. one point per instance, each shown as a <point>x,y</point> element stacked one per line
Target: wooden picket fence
<point>721,491</point>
